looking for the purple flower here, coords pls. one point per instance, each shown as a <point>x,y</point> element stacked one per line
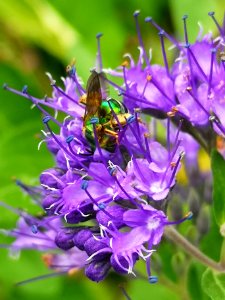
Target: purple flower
<point>192,88</point>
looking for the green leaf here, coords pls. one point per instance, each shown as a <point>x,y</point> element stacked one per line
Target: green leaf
<point>213,285</point>
<point>194,282</point>
<point>218,170</point>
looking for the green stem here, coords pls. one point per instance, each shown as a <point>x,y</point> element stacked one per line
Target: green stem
<point>193,251</point>
<point>222,254</point>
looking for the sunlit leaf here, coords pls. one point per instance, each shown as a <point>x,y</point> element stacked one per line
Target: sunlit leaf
<point>213,285</point>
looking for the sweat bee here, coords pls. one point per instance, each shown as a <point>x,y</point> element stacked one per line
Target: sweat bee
<point>111,115</point>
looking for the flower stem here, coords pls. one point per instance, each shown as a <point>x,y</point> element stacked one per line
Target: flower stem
<point>178,239</point>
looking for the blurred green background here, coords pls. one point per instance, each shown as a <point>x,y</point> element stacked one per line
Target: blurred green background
<point>38,36</point>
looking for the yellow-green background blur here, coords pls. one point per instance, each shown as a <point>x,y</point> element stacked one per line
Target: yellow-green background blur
<point>38,36</point>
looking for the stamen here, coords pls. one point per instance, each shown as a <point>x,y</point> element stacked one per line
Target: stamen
<point>101,206</point>
<point>72,74</point>
<point>213,53</point>
<point>99,56</point>
<point>138,139</point>
<point>170,38</point>
<point>188,217</point>
<point>34,100</point>
<point>184,18</point>
<point>46,119</point>
<point>161,35</point>
<point>156,84</point>
<point>178,132</point>
<point>189,90</point>
<point>170,162</point>
<point>217,123</point>
<point>24,91</point>
<point>148,79</point>
<point>197,64</point>
<point>128,196</point>
<point>175,168</point>
<point>94,121</point>
<point>125,93</point>
<point>137,119</point>
<point>64,94</point>
<point>124,293</point>
<point>211,14</point>
<point>187,46</point>
<point>124,64</point>
<point>136,14</point>
<point>146,136</point>
<point>168,136</point>
<point>41,277</point>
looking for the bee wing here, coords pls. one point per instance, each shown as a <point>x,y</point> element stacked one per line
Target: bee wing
<point>104,85</point>
<point>94,95</point>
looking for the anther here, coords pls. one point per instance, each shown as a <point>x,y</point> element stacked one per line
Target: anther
<point>147,135</point>
<point>5,86</point>
<point>211,14</point>
<point>137,110</point>
<point>24,89</point>
<point>136,13</point>
<point>187,45</point>
<point>148,19</point>
<point>173,112</point>
<point>71,70</point>
<point>113,171</point>
<point>46,119</point>
<point>98,35</point>
<point>131,119</point>
<point>153,279</point>
<point>125,63</point>
<point>222,56</point>
<point>189,215</point>
<point>149,77</point>
<point>212,118</point>
<point>94,120</point>
<point>34,229</point>
<point>161,33</point>
<point>84,184</point>
<point>173,164</point>
<point>170,114</point>
<point>101,206</point>
<point>70,138</point>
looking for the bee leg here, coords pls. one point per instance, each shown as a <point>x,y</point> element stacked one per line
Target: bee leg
<point>112,133</point>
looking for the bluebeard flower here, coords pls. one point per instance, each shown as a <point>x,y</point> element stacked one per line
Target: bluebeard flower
<point>104,200</point>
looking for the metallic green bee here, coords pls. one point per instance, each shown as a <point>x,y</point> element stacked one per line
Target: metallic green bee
<point>111,115</point>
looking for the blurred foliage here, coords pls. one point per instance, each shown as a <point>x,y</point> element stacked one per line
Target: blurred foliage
<point>38,36</point>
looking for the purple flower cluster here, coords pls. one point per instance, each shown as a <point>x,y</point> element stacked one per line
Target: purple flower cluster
<point>192,88</point>
<point>106,209</point>
<point>103,209</point>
